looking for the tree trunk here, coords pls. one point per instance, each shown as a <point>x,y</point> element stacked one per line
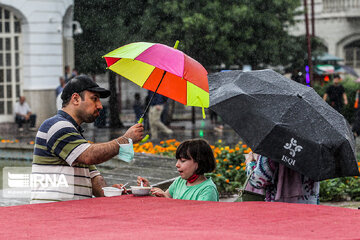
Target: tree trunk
<point>115,121</point>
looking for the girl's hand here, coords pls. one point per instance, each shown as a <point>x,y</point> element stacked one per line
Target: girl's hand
<point>144,180</point>
<point>157,192</point>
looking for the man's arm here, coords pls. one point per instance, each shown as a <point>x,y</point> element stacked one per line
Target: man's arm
<point>345,99</point>
<point>325,97</point>
<point>101,152</point>
<point>98,183</point>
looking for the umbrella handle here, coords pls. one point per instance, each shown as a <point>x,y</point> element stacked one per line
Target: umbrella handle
<point>141,120</point>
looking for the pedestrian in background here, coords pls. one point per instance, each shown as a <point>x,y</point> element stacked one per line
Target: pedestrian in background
<point>138,106</point>
<point>336,94</point>
<point>23,114</point>
<point>156,108</point>
<point>60,88</point>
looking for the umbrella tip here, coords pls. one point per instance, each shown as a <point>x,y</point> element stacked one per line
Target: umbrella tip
<point>176,44</point>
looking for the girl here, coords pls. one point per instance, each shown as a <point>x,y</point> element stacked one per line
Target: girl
<point>194,159</point>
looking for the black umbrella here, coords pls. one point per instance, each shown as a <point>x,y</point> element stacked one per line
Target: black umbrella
<point>286,121</point>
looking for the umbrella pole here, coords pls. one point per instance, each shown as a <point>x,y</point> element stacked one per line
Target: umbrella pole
<point>148,105</point>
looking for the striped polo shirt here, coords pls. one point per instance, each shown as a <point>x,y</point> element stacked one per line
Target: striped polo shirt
<point>55,176</point>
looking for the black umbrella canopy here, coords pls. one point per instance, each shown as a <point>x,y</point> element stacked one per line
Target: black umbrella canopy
<point>286,121</point>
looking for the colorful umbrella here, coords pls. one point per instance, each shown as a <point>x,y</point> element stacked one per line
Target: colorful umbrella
<point>163,70</point>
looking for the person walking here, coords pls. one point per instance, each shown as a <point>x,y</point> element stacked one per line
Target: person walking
<point>138,106</point>
<point>336,94</point>
<point>156,108</point>
<point>61,149</point>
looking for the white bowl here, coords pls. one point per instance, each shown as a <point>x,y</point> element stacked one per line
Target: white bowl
<point>112,191</point>
<point>140,191</point>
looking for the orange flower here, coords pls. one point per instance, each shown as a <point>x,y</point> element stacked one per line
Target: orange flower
<point>225,160</point>
<point>2,140</point>
<point>227,148</point>
<point>231,151</point>
<point>237,149</point>
<point>162,142</point>
<point>244,146</point>
<point>230,166</point>
<point>243,168</point>
<point>242,164</point>
<point>227,180</point>
<point>218,175</point>
<point>217,161</point>
<point>237,167</point>
<point>16,140</point>
<point>31,142</point>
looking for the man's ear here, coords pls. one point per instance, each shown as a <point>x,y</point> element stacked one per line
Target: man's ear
<point>75,99</point>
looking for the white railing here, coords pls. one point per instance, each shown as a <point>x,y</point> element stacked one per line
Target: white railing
<point>340,5</point>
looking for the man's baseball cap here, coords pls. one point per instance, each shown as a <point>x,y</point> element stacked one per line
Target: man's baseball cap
<point>82,83</point>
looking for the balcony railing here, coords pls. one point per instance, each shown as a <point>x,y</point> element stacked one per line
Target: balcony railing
<point>341,5</point>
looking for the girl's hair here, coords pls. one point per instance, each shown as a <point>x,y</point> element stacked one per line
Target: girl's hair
<point>200,151</point>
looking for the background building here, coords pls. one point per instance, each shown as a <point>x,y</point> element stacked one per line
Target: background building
<point>35,44</point>
<point>337,24</point>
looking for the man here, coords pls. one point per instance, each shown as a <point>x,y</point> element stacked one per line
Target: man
<point>156,108</point>
<point>61,149</point>
<point>67,76</point>
<point>60,88</point>
<point>336,94</point>
<point>23,114</point>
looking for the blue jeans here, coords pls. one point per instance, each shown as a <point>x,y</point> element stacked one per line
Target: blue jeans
<point>20,120</point>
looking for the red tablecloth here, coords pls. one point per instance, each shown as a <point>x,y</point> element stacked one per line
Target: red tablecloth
<point>130,217</point>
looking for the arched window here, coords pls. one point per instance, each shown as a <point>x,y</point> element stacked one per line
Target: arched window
<point>10,62</point>
<point>352,54</point>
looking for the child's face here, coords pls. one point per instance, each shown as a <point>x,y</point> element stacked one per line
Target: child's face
<point>186,167</point>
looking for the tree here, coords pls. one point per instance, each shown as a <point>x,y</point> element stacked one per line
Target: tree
<point>103,24</point>
<point>233,32</point>
<point>213,32</point>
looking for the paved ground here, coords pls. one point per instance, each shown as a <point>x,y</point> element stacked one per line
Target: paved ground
<point>157,169</point>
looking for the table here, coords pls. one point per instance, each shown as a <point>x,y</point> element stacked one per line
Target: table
<point>131,217</point>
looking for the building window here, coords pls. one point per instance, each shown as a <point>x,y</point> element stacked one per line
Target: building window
<point>352,54</point>
<point>10,60</point>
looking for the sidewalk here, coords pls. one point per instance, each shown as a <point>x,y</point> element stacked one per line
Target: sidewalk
<point>182,130</point>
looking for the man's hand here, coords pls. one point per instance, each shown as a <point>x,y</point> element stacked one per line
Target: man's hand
<point>136,132</point>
